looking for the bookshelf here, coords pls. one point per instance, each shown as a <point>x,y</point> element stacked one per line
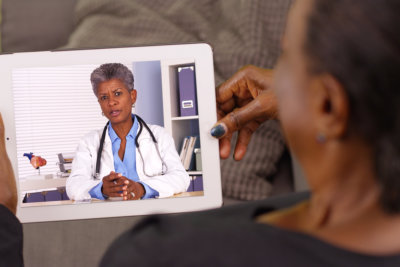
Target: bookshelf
<point>194,173</point>
<point>184,118</point>
<point>178,126</point>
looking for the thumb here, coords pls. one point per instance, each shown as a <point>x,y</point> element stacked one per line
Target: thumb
<point>1,125</point>
<point>2,133</point>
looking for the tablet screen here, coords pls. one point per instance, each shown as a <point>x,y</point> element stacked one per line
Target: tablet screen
<point>54,125</point>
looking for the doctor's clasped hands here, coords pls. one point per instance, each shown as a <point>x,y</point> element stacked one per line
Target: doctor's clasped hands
<point>116,185</point>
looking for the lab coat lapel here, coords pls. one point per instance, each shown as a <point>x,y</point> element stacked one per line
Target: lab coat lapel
<point>139,162</point>
<point>107,158</point>
<point>153,163</point>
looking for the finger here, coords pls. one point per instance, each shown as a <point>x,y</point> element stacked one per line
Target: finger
<point>243,139</point>
<point>236,85</point>
<point>1,124</point>
<point>119,181</point>
<point>243,101</point>
<point>263,107</point>
<point>236,119</point>
<point>225,147</point>
<point>226,107</point>
<point>112,176</point>
<point>127,188</point>
<point>129,195</point>
<point>125,196</point>
<point>248,82</point>
<point>2,131</point>
<point>114,194</point>
<point>133,191</point>
<point>138,190</point>
<point>115,189</point>
<point>132,196</point>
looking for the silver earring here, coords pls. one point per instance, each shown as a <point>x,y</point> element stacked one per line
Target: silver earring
<point>321,138</point>
<point>102,114</point>
<point>133,105</point>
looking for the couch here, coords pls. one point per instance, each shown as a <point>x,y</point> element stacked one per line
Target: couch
<point>240,33</point>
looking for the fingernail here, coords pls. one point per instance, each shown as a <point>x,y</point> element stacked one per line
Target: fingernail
<point>126,182</point>
<point>218,130</point>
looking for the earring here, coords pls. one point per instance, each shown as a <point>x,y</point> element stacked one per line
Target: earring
<point>102,114</point>
<point>133,105</point>
<point>321,138</point>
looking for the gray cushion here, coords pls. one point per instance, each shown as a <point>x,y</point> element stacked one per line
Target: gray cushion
<point>35,25</point>
<point>240,32</point>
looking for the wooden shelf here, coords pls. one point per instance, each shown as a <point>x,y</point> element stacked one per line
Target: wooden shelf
<point>195,172</point>
<point>185,118</point>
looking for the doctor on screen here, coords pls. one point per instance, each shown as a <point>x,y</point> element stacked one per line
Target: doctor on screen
<point>128,158</point>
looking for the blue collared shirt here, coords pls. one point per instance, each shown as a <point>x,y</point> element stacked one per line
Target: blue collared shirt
<point>127,167</point>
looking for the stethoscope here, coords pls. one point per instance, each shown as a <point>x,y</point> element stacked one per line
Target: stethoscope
<point>141,124</point>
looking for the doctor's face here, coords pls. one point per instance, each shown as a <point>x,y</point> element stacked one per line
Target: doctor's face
<point>116,101</point>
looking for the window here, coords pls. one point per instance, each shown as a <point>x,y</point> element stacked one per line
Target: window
<point>54,108</point>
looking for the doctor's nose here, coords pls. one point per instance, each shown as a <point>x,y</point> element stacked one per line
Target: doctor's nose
<point>112,101</point>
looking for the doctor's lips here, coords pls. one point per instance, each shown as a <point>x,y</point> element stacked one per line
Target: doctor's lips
<point>115,113</point>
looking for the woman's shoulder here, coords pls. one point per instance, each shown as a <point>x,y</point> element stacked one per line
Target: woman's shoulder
<point>158,131</point>
<point>229,237</point>
<point>95,132</point>
<point>92,136</point>
<point>11,239</point>
<point>156,128</point>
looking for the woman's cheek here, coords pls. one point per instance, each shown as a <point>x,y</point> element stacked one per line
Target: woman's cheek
<point>292,108</point>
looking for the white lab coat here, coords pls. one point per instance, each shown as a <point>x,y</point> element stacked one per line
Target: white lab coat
<point>176,179</point>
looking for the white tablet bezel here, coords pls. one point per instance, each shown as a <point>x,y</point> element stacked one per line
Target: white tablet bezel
<point>202,55</point>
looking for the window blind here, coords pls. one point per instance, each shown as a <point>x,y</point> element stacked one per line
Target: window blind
<point>54,108</point>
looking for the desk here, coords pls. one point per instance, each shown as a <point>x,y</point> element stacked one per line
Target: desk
<point>95,200</point>
<point>188,194</point>
<point>31,184</point>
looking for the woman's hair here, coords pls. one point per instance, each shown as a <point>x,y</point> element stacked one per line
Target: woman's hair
<point>110,71</point>
<point>358,42</point>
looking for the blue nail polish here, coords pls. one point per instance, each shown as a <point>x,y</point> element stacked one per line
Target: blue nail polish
<point>218,131</point>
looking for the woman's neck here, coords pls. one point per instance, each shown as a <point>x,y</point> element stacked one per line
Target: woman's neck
<point>343,186</point>
<point>348,214</point>
<point>343,200</point>
<point>122,129</point>
<point>344,207</point>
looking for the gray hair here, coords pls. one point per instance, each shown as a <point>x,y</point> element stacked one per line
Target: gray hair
<point>110,71</point>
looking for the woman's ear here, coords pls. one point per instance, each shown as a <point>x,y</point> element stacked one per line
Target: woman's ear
<point>332,107</point>
<point>133,96</point>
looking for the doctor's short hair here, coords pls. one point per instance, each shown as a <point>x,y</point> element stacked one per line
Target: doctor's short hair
<point>111,71</point>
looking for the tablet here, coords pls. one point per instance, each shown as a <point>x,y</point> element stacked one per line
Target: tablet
<point>48,106</point>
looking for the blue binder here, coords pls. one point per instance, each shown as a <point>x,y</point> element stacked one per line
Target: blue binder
<point>191,185</point>
<point>187,91</point>
<point>33,197</point>
<point>198,183</point>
